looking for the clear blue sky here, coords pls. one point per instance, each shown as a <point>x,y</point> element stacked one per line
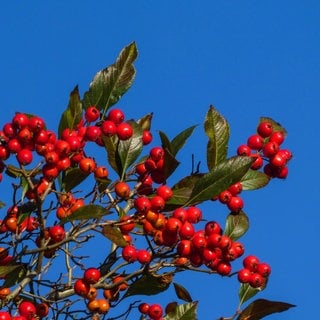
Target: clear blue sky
<point>248,58</point>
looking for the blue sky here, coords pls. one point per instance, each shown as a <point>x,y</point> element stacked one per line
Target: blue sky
<point>248,58</point>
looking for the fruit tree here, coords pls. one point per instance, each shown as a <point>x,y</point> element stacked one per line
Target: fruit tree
<point>99,182</point>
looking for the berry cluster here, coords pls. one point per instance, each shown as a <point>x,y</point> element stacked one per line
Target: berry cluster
<point>254,272</point>
<point>265,145</point>
<point>153,311</point>
<point>231,197</point>
<point>85,287</point>
<point>27,310</point>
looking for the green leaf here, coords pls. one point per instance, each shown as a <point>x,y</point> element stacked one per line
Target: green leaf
<point>261,308</point>
<point>111,83</point>
<point>4,270</point>
<point>149,284</point>
<point>165,142</point>
<point>110,144</point>
<point>217,129</point>
<point>187,311</point>
<point>182,293</point>
<point>220,178</point>
<point>129,150</point>
<point>179,141</point>
<point>72,178</point>
<point>170,163</point>
<point>275,125</point>
<point>182,191</point>
<point>145,122</point>
<point>90,211</point>
<point>246,292</point>
<point>236,225</point>
<point>73,114</point>
<point>15,276</point>
<point>114,235</point>
<point>254,179</point>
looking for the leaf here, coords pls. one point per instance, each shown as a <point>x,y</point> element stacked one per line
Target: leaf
<point>2,204</point>
<point>220,178</point>
<point>275,125</point>
<point>170,164</point>
<point>15,276</point>
<point>114,235</point>
<point>165,142</point>
<point>4,270</point>
<point>246,292</point>
<point>149,284</point>
<point>111,83</point>
<point>261,308</point>
<point>90,211</point>
<point>254,179</point>
<point>129,150</point>
<point>145,122</point>
<point>187,311</point>
<point>217,129</point>
<point>236,225</point>
<point>13,171</point>
<point>110,144</point>
<point>73,114</point>
<point>179,141</point>
<point>182,293</point>
<point>72,178</point>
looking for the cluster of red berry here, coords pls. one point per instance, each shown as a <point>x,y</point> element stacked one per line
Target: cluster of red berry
<point>153,311</point>
<point>86,288</point>
<point>266,145</point>
<point>254,272</point>
<point>27,310</point>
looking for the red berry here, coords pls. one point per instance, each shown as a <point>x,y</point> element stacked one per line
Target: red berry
<point>155,311</point>
<point>5,315</point>
<point>93,133</point>
<point>265,129</point>
<point>235,204</point>
<point>157,203</point>
<point>126,224</point>
<point>146,137</point>
<point>143,307</point>
<point>278,160</point>
<point>173,225</point>
<point>263,269</point>
<point>256,280</point>
<point>255,142</point>
<point>270,149</point>
<point>129,253</point>
<point>27,309</point>
<point>20,120</point>
<point>251,262</point>
<point>36,124</point>
<point>91,275</point>
<point>142,204</point>
<point>87,165</point>
<point>81,288</point>
<point>144,256</point>
<point>225,196</point>
<point>235,188</point>
<point>24,157</point>
<point>258,162</point>
<point>124,131</point>
<point>224,268</point>
<point>108,128</point>
<point>244,275</point>
<point>92,114</point>
<point>57,233</point>
<point>156,154</point>
<point>122,190</point>
<point>212,227</point>
<point>194,214</point>
<point>186,231</point>
<point>243,150</point>
<point>164,192</point>
<point>277,137</point>
<point>116,116</point>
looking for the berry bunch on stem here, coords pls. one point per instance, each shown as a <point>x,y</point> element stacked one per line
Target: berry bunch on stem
<point>94,183</point>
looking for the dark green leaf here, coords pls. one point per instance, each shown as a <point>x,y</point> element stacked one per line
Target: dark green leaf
<point>182,293</point>
<point>246,292</point>
<point>182,191</point>
<point>72,178</point>
<point>236,225</point>
<point>16,274</point>
<point>220,178</point>
<point>73,114</point>
<point>165,142</point>
<point>149,284</point>
<point>261,308</point>
<point>170,163</point>
<point>254,179</point>
<point>129,150</point>
<point>4,270</point>
<point>186,311</point>
<point>218,132</point>
<point>111,83</point>
<point>110,144</point>
<point>114,235</point>
<point>179,141</point>
<point>275,125</point>
<point>90,211</point>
